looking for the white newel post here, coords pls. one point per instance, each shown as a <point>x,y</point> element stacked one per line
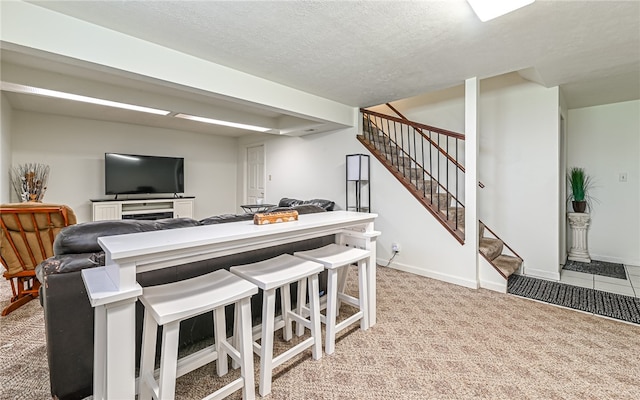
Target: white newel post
<point>579,222</point>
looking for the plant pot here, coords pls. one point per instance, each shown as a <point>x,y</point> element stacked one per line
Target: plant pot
<point>579,206</point>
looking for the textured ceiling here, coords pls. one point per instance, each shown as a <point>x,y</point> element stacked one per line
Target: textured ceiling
<point>364,53</point>
<point>359,53</point>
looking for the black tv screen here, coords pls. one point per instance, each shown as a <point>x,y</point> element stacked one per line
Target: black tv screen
<point>138,174</point>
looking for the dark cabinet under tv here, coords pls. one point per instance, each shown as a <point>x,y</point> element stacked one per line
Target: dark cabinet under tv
<point>103,210</point>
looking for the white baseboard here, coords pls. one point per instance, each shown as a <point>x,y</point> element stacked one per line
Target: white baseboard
<point>456,280</point>
<point>616,260</point>
<point>495,286</point>
<point>540,273</point>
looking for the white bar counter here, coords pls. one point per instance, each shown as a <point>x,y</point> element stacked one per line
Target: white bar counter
<point>113,289</point>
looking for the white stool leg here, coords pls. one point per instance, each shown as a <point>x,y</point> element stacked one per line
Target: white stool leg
<point>169,361</point>
<point>235,342</point>
<point>147,356</point>
<point>316,332</point>
<point>266,343</point>
<point>343,275</point>
<point>220,328</point>
<point>332,311</point>
<point>363,296</point>
<point>285,296</point>
<point>302,303</point>
<point>245,346</point>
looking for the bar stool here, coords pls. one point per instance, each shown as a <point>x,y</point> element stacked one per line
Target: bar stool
<point>167,305</point>
<point>279,273</point>
<point>335,259</point>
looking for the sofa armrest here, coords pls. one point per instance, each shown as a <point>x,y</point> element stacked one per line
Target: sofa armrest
<point>68,263</point>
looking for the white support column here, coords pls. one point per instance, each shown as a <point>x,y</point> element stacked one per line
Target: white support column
<point>471,101</point>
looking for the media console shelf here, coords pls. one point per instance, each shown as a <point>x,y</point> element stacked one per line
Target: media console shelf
<point>104,210</point>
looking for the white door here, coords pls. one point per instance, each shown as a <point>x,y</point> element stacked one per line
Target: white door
<point>255,175</point>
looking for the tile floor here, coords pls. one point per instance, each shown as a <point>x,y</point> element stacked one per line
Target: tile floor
<point>628,287</point>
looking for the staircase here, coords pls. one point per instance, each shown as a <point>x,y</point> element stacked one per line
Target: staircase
<point>425,160</point>
<point>492,249</point>
<point>421,162</point>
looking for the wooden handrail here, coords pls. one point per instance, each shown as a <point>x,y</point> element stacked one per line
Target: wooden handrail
<point>440,149</point>
<point>415,124</point>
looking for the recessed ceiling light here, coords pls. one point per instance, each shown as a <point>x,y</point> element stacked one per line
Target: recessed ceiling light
<point>490,9</point>
<point>17,88</point>
<point>224,123</point>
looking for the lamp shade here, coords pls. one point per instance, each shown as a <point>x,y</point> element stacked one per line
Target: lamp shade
<point>357,167</point>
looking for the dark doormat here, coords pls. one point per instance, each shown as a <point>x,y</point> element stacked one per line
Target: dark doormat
<point>596,267</point>
<point>625,308</point>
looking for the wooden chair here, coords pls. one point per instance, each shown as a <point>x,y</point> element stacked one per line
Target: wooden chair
<point>28,232</point>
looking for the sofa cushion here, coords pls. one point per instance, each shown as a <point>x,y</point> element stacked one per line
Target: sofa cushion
<point>83,238</point>
<point>221,219</point>
<point>328,205</point>
<point>301,209</point>
<point>287,202</point>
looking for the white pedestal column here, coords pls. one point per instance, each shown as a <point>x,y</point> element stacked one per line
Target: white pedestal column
<point>579,222</point>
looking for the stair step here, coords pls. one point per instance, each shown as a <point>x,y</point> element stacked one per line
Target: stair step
<point>440,200</point>
<point>491,248</point>
<point>413,173</point>
<point>507,264</point>
<point>396,158</point>
<point>455,217</point>
<point>421,183</point>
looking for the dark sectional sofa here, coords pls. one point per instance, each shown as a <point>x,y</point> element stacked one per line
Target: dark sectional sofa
<point>69,316</point>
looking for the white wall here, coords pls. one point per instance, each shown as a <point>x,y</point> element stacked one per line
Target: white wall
<point>519,164</point>
<point>74,149</point>
<point>426,247</point>
<point>305,167</point>
<point>443,109</point>
<point>313,166</point>
<point>518,161</point>
<point>5,149</point>
<point>605,140</point>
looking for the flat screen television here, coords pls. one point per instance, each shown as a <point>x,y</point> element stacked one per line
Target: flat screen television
<point>138,174</point>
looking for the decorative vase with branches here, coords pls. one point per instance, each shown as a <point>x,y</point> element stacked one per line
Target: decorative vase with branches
<point>30,181</point>
<point>580,184</point>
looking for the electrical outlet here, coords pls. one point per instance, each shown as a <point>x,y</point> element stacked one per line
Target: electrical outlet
<point>622,177</point>
<point>395,247</point>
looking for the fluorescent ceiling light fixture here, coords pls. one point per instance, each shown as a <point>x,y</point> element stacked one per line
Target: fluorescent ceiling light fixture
<point>17,88</point>
<point>225,123</point>
<point>490,9</point>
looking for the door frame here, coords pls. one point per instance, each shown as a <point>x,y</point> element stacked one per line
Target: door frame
<point>245,172</point>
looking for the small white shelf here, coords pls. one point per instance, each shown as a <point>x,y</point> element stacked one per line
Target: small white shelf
<point>147,211</point>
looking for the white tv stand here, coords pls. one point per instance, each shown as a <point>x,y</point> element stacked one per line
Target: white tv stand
<point>154,208</point>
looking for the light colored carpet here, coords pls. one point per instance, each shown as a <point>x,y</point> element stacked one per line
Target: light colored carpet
<point>433,340</point>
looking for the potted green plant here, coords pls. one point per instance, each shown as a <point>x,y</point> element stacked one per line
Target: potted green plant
<point>580,184</point>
